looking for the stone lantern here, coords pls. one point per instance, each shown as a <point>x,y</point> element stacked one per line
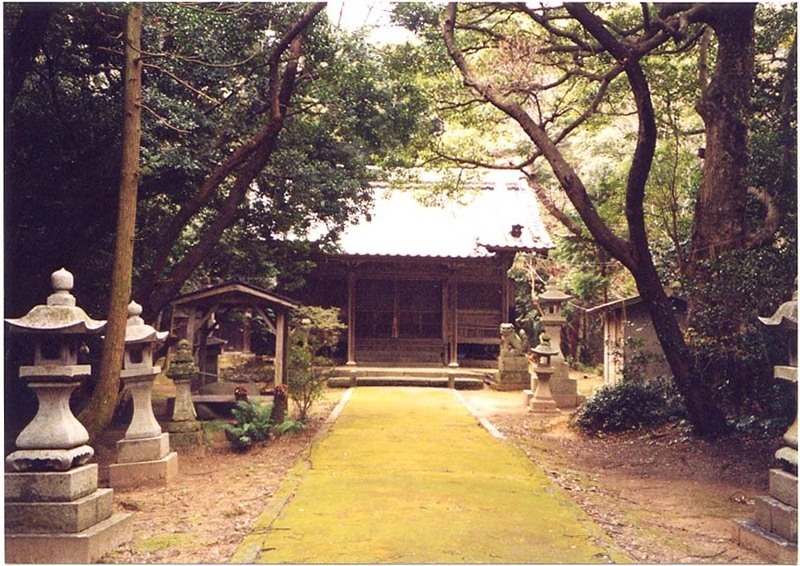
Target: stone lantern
<point>184,427</point>
<point>143,456</point>
<point>543,356</point>
<point>774,530</point>
<point>563,389</point>
<point>552,319</point>
<point>54,511</point>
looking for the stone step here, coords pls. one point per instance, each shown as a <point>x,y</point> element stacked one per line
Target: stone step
<point>74,548</point>
<point>389,381</point>
<point>783,486</point>
<point>59,516</point>
<point>51,486</point>
<point>776,517</point>
<point>776,549</point>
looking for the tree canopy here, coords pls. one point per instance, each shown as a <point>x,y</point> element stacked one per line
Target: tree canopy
<point>216,77</point>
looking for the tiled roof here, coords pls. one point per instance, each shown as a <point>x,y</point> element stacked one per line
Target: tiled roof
<point>480,223</point>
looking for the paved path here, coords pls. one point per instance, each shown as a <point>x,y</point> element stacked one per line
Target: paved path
<point>407,475</point>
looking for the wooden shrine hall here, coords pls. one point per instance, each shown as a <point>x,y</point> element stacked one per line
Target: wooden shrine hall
<point>426,285</point>
<point>193,318</point>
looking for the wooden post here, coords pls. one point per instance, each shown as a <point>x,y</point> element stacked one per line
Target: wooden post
<point>453,324</point>
<point>351,319</point>
<point>281,348</point>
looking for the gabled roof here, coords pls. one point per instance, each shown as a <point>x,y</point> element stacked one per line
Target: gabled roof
<point>480,223</point>
<point>234,293</point>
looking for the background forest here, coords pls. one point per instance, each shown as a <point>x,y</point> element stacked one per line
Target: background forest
<point>661,139</point>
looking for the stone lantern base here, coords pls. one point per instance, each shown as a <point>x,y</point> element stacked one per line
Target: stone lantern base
<point>58,517</point>
<point>186,435</point>
<point>144,461</point>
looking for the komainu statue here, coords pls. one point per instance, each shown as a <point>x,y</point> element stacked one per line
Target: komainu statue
<point>513,343</point>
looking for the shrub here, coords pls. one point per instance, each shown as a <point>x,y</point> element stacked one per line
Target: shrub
<point>315,330</point>
<point>629,405</point>
<point>252,425</point>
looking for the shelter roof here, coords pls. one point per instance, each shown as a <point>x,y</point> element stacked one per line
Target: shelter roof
<point>629,302</point>
<point>499,214</point>
<point>234,293</point>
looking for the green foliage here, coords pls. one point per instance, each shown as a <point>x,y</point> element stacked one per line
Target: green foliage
<point>316,330</point>
<point>288,426</point>
<point>204,95</point>
<point>726,339</point>
<point>252,425</point>
<point>629,405</point>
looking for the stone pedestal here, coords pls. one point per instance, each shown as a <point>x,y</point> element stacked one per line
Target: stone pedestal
<point>773,532</point>
<point>186,432</point>
<point>144,461</point>
<point>513,374</point>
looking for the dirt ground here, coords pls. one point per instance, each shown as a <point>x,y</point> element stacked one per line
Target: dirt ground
<point>662,496</point>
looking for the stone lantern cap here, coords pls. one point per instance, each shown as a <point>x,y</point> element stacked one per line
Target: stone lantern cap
<point>182,365</point>
<point>137,332</point>
<point>544,348</point>
<point>60,315</point>
<point>785,317</point>
<point>553,295</point>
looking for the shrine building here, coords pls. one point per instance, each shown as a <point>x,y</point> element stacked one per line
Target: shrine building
<point>428,285</point>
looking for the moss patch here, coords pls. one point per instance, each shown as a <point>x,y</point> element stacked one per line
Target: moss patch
<point>169,540</point>
<point>408,475</point>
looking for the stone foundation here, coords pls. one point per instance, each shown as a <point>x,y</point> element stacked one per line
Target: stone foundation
<point>147,473</point>
<point>58,517</point>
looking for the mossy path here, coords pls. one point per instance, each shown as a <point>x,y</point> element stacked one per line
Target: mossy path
<point>408,476</point>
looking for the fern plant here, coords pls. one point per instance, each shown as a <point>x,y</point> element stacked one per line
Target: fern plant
<point>252,425</point>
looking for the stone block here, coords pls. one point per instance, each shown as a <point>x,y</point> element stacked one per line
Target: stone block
<point>137,474</point>
<point>782,486</point>
<point>512,381</point>
<point>143,449</point>
<point>51,486</point>
<point>59,516</point>
<point>186,441</point>
<point>776,517</point>
<point>78,548</point>
<point>776,549</point>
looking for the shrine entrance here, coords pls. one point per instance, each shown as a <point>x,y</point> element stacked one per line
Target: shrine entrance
<point>398,309</point>
<point>399,321</point>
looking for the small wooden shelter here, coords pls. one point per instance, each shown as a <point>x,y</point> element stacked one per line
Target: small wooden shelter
<point>629,337</point>
<point>193,318</point>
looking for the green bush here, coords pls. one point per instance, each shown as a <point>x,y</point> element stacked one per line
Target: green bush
<point>252,425</point>
<point>629,405</point>
<point>314,330</point>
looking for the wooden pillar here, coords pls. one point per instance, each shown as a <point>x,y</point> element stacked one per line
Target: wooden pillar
<point>453,308</point>
<point>351,319</point>
<point>281,348</point>
<point>191,326</point>
<point>246,332</point>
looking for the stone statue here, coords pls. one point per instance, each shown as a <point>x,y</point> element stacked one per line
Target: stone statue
<point>513,343</point>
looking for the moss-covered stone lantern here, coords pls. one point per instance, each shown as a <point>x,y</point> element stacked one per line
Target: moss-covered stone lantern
<point>184,428</point>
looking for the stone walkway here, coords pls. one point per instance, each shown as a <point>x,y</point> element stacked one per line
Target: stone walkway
<point>407,475</point>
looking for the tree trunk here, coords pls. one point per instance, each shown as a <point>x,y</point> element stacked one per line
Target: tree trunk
<point>98,412</point>
<point>719,216</point>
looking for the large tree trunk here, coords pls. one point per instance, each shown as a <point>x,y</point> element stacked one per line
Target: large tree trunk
<point>98,412</point>
<point>719,214</point>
